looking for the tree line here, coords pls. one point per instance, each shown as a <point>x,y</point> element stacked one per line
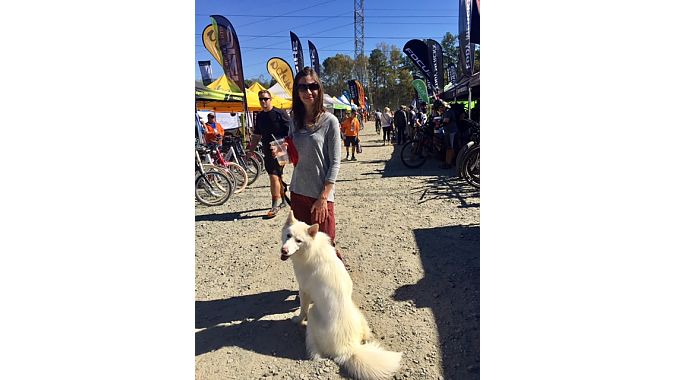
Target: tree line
<point>390,73</point>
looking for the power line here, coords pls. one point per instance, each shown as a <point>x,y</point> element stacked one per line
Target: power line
<point>297,10</point>
<point>334,16</point>
<point>331,37</point>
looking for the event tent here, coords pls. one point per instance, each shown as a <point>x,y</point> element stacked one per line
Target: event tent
<point>333,103</point>
<point>252,98</point>
<point>223,95</point>
<point>278,91</point>
<point>223,83</point>
<point>461,89</point>
<point>205,93</point>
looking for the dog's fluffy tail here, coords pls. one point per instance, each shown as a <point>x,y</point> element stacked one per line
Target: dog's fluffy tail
<point>370,362</point>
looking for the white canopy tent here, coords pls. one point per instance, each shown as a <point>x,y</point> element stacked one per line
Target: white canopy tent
<point>278,91</point>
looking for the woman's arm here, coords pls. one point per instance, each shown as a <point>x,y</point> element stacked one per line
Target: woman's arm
<point>333,144</point>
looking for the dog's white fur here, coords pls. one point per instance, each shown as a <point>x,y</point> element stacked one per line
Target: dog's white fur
<point>335,326</point>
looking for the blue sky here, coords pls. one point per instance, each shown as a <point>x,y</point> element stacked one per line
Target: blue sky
<point>263,27</point>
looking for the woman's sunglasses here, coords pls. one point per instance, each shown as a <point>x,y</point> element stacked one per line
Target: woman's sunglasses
<point>263,99</point>
<point>311,87</point>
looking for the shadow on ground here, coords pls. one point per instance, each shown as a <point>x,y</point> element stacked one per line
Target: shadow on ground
<point>229,216</point>
<point>450,257</point>
<point>445,187</point>
<point>280,338</point>
<point>438,183</point>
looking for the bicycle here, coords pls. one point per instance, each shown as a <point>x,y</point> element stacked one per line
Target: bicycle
<point>212,188</point>
<point>236,154</point>
<point>467,162</point>
<point>469,167</point>
<point>228,172</point>
<point>240,174</point>
<point>426,142</point>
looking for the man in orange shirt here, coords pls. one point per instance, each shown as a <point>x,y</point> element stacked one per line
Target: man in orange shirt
<point>214,131</point>
<point>350,128</point>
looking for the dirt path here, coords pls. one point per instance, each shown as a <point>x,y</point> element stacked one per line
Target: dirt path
<point>410,238</point>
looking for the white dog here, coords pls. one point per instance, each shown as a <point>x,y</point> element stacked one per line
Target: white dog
<point>335,326</point>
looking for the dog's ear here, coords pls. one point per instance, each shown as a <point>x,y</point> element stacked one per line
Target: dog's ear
<point>290,219</point>
<point>312,230</point>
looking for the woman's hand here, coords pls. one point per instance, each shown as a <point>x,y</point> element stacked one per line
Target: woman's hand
<point>278,152</point>
<point>320,210</point>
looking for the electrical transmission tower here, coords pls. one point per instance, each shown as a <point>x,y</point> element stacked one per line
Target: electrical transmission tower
<point>360,71</point>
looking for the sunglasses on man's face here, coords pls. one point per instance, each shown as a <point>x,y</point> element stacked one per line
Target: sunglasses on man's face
<point>310,86</point>
<point>263,99</point>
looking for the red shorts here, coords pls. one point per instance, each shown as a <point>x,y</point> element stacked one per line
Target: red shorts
<point>301,205</point>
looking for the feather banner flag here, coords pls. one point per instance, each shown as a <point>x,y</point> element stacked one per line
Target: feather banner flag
<point>451,74</point>
<point>228,46</point>
<point>437,65</point>
<point>421,89</point>
<point>210,43</point>
<point>464,32</point>
<point>297,51</point>
<point>417,51</point>
<point>354,93</point>
<point>314,57</point>
<point>474,24</point>
<point>361,94</point>
<point>281,71</point>
<point>205,70</point>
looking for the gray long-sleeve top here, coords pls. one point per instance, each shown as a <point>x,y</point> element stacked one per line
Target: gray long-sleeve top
<point>318,157</point>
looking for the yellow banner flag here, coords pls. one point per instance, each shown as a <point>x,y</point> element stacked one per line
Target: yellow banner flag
<point>209,39</point>
<point>281,71</point>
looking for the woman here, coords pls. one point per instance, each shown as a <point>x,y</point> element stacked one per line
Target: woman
<point>387,124</point>
<point>316,136</point>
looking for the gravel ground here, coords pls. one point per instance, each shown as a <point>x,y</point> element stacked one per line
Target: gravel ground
<point>410,238</point>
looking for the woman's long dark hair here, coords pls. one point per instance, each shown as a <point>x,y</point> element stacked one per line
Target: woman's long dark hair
<point>297,107</point>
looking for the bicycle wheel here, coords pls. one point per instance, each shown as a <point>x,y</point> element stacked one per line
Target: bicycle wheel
<point>240,175</point>
<point>412,154</point>
<point>253,169</point>
<point>470,167</point>
<point>225,171</point>
<point>212,188</point>
<point>461,157</point>
<point>258,156</point>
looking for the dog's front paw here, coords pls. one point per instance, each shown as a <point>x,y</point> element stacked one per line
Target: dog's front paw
<point>298,319</point>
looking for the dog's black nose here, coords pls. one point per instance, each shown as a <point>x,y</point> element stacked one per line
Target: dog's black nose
<point>285,250</point>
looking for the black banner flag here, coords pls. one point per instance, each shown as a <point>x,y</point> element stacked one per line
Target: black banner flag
<point>474,24</point>
<point>354,92</point>
<point>297,51</point>
<point>205,70</point>
<point>466,47</point>
<point>417,51</point>
<point>314,57</point>
<point>437,65</point>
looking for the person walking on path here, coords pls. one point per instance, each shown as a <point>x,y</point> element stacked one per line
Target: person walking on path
<point>400,123</point>
<point>315,135</point>
<point>350,128</point>
<point>378,117</point>
<point>271,124</point>
<point>387,124</point>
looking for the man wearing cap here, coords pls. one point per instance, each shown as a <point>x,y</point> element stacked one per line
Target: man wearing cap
<point>350,128</point>
<point>214,131</point>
